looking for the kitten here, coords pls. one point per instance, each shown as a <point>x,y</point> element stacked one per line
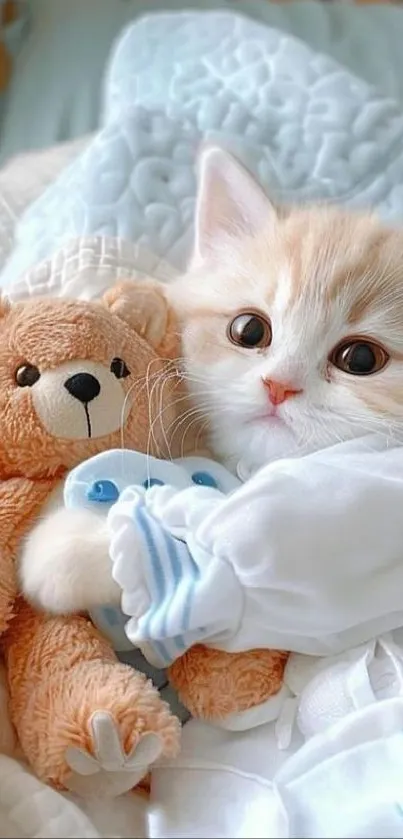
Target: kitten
<point>292,341</point>
<point>292,323</point>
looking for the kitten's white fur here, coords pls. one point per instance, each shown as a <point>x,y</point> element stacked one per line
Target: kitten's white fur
<point>319,275</point>
<point>307,273</point>
<point>64,563</point>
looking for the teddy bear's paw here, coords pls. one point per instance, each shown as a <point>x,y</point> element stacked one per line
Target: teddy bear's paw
<point>110,771</point>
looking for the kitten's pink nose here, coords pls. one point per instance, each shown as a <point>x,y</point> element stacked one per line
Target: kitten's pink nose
<point>279,391</point>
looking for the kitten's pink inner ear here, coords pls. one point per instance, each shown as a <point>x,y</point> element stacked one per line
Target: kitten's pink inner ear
<point>229,202</point>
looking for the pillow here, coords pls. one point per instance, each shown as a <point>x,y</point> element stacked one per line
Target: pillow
<point>306,128</point>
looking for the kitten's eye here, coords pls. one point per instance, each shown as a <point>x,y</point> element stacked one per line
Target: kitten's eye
<point>27,375</point>
<point>250,330</point>
<point>359,357</point>
<point>119,368</point>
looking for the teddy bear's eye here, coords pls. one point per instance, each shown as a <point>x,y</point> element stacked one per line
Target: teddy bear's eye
<point>27,375</point>
<point>119,368</point>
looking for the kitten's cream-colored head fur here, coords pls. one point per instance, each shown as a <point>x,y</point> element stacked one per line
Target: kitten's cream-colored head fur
<point>320,292</point>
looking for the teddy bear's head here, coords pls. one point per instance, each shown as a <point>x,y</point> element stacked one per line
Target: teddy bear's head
<point>78,377</point>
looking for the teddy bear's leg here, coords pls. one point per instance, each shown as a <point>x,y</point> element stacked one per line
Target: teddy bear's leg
<point>236,690</point>
<point>85,721</point>
<point>8,739</point>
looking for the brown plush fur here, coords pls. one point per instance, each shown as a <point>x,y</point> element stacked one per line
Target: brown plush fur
<point>60,670</point>
<point>214,684</point>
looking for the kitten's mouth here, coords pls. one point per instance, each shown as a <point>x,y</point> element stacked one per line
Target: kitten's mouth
<point>269,416</point>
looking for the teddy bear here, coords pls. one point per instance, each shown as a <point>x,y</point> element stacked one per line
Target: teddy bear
<point>230,689</point>
<point>77,378</point>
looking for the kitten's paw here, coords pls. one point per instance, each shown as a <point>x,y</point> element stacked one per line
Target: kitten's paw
<point>60,559</point>
<point>110,771</point>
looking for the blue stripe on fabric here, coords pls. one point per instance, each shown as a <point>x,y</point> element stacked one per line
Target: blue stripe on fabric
<point>158,571</point>
<point>180,644</point>
<point>174,548</point>
<point>142,519</point>
<point>176,565</point>
<point>187,606</point>
<point>162,651</point>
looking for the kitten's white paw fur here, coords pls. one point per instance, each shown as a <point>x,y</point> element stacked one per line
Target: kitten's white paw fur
<point>65,565</point>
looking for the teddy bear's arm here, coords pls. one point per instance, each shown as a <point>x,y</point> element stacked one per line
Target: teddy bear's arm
<point>20,498</point>
<point>69,697</point>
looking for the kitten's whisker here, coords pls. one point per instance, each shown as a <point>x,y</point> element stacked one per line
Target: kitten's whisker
<point>202,430</point>
<point>178,422</point>
<point>193,418</point>
<point>198,412</point>
<point>137,392</point>
<point>161,411</point>
<point>171,404</point>
<point>160,380</point>
<point>187,429</point>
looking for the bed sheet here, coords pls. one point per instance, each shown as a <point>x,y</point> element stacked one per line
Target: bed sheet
<point>29,808</point>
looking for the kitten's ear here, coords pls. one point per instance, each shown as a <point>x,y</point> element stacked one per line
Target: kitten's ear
<point>229,202</point>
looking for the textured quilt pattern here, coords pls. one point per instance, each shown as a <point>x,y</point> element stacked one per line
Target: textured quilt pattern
<point>305,126</point>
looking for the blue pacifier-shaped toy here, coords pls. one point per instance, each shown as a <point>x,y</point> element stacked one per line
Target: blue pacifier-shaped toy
<point>99,481</point>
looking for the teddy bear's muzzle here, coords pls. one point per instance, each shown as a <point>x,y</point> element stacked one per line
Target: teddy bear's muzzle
<point>80,399</point>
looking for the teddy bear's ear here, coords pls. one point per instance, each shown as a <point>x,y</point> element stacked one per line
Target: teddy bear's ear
<point>142,304</point>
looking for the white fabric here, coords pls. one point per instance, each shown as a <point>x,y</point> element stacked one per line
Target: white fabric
<point>309,551</point>
<point>344,782</point>
<point>322,691</point>
<point>346,685</point>
<point>31,809</point>
<point>306,127</point>
<point>219,786</point>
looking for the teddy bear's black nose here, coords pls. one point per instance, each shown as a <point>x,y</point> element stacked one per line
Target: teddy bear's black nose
<point>83,386</point>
